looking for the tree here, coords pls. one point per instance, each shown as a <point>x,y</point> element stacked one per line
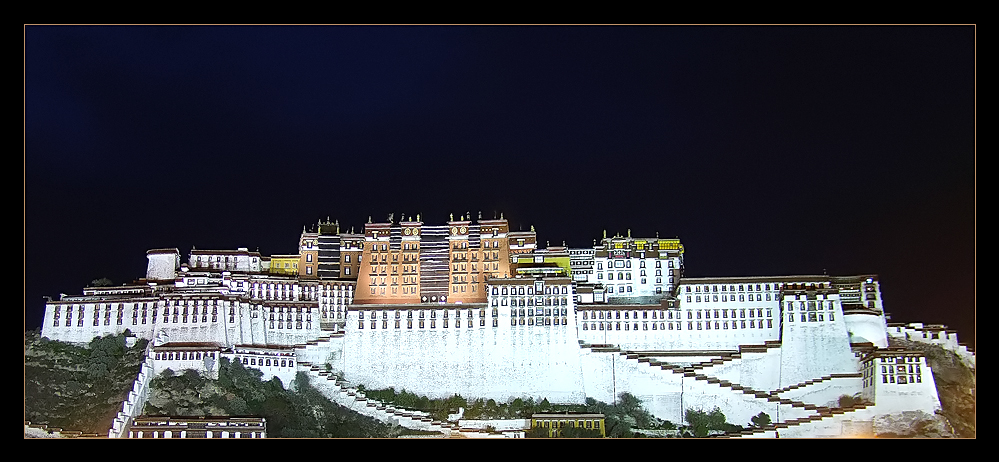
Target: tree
<point>761,420</point>
<point>702,422</point>
<point>579,432</point>
<point>628,403</point>
<point>536,432</point>
<point>850,401</point>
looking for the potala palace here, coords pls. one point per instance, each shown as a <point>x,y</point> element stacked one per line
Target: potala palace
<point>474,308</point>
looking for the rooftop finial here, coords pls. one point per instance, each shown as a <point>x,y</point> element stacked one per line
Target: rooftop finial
<point>390,217</point>
<point>657,234</point>
<point>605,234</point>
<point>501,215</point>
<point>480,215</point>
<point>532,228</point>
<point>629,233</point>
<point>369,218</point>
<point>452,217</point>
<point>417,217</point>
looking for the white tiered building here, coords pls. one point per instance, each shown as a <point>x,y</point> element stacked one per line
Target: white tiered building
<point>621,319</point>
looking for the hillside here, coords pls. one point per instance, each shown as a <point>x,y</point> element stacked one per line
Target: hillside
<point>302,412</point>
<point>78,388</point>
<point>956,386</point>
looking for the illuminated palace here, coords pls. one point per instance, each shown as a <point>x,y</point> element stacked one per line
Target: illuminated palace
<point>474,308</point>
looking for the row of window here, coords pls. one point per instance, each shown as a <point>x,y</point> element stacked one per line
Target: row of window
<point>627,264</point>
<point>900,379</point>
<point>659,314</point>
<point>727,298</point>
<point>700,325</point>
<point>527,301</point>
<point>267,362</point>
<point>691,314</point>
<point>208,434</point>
<point>421,314</point>
<point>529,290</point>
<point>811,317</point>
<point>177,319</point>
<point>421,323</point>
<point>538,322</point>
<point>184,355</point>
<point>540,312</point>
<point>731,288</point>
<point>811,305</point>
<point>594,424</point>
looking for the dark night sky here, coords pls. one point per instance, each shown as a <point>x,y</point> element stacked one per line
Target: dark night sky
<point>767,150</point>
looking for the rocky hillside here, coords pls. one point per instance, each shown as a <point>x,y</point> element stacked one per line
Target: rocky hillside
<point>302,412</point>
<point>78,388</point>
<point>956,385</point>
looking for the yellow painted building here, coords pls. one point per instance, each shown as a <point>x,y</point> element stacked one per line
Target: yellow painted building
<point>285,265</point>
<point>555,423</point>
<point>543,266</point>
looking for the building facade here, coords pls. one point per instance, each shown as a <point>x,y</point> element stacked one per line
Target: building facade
<point>470,307</point>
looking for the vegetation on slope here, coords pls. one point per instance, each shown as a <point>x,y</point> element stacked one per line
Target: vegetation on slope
<point>78,388</point>
<point>302,412</point>
<point>619,418</point>
<point>700,423</point>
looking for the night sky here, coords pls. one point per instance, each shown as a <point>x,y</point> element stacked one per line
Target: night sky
<point>766,150</point>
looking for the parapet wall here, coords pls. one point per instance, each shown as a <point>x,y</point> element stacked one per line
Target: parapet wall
<point>936,335</point>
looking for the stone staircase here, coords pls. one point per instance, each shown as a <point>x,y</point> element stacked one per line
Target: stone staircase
<point>818,380</point>
<point>315,351</point>
<point>341,393</point>
<point>771,396</point>
<point>825,413</point>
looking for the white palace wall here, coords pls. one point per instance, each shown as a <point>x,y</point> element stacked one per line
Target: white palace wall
<point>867,327</point>
<point>473,359</point>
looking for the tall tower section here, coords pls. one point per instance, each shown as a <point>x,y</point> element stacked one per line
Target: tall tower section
<point>477,252</point>
<point>308,251</point>
<point>389,269</point>
<point>410,232</point>
<point>328,243</point>
<point>495,238</point>
<point>434,261</point>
